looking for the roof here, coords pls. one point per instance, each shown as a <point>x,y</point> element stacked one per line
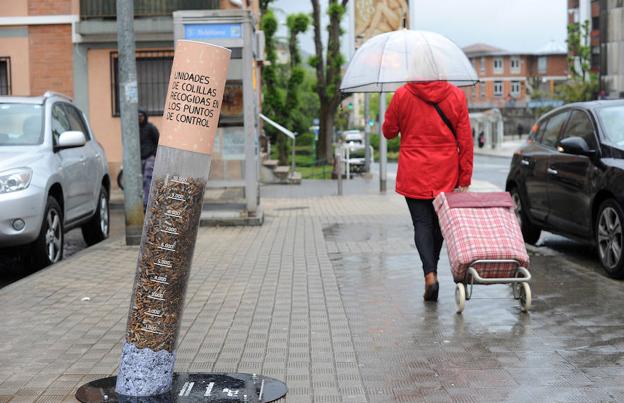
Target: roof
<point>588,105</point>
<point>552,48</point>
<point>22,100</point>
<point>598,103</point>
<point>483,49</point>
<point>33,100</point>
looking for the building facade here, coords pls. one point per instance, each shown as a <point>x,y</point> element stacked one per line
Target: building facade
<point>612,48</point>
<point>606,21</point>
<point>510,79</point>
<point>70,46</point>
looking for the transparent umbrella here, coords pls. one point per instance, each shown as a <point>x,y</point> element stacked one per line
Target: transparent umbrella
<point>387,61</point>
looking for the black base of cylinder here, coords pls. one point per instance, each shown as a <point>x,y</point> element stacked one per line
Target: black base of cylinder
<point>193,387</point>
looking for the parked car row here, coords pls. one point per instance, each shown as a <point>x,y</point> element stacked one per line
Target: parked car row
<point>53,177</point>
<point>569,178</point>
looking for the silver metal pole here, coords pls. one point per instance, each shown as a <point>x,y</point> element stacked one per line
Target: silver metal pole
<point>383,146</point>
<point>128,108</point>
<point>367,155</point>
<point>249,100</point>
<point>347,163</point>
<point>339,169</point>
<point>292,169</point>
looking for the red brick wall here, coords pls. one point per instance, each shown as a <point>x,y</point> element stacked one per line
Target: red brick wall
<point>51,55</point>
<point>595,8</point>
<point>49,7</point>
<point>557,65</point>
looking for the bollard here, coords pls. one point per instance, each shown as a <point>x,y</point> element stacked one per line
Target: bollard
<point>180,173</point>
<point>339,170</point>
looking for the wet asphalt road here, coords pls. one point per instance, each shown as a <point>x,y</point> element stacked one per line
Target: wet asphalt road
<point>13,269</point>
<point>490,169</point>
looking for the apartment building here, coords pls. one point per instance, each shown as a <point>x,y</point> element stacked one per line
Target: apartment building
<point>508,79</point>
<point>70,46</point>
<point>606,19</point>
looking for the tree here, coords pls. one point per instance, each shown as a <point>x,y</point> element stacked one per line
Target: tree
<point>283,83</point>
<point>583,83</point>
<point>579,50</point>
<point>297,24</point>
<point>264,6</point>
<point>327,72</point>
<point>273,94</point>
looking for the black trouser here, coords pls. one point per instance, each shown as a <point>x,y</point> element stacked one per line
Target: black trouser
<point>427,235</point>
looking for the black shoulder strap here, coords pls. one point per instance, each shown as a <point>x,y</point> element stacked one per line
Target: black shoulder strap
<point>445,119</point>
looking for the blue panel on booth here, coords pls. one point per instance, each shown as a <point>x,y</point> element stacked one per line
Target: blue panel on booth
<point>212,31</point>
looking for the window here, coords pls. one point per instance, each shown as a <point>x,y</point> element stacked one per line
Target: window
<point>580,126</point>
<point>595,56</point>
<point>595,24</point>
<point>498,88</point>
<point>498,65</point>
<point>60,122</point>
<point>542,64</point>
<point>612,118</point>
<point>515,88</point>
<point>75,120</point>
<point>5,76</point>
<point>482,88</point>
<point>515,65</point>
<point>482,64</point>
<point>153,70</point>
<point>21,124</point>
<point>553,128</point>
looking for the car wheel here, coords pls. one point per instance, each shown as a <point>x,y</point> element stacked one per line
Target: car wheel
<point>98,227</point>
<point>530,232</point>
<point>609,238</point>
<point>48,248</point>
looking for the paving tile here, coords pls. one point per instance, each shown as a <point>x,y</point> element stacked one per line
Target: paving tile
<point>326,295</point>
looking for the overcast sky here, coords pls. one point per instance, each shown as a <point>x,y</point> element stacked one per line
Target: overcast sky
<point>515,25</point>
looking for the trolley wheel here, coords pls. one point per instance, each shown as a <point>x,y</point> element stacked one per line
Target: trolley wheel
<point>460,297</point>
<point>525,297</point>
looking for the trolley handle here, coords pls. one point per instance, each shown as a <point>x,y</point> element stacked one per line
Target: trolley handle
<point>526,276</point>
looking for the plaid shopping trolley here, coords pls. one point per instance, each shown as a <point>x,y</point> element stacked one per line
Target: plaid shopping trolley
<point>484,243</point>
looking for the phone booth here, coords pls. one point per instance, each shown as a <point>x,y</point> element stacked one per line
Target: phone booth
<point>232,192</point>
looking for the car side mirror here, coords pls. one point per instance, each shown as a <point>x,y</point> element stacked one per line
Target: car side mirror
<point>575,146</point>
<point>71,139</point>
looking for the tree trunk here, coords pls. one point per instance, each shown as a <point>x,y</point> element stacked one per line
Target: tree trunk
<point>330,134</point>
<point>328,73</point>
<point>321,148</point>
<point>282,148</point>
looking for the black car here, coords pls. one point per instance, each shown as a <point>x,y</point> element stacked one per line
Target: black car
<point>569,178</point>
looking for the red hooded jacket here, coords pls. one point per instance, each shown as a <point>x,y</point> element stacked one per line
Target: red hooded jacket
<point>431,161</point>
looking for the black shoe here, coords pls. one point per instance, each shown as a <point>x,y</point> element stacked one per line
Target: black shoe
<point>431,292</point>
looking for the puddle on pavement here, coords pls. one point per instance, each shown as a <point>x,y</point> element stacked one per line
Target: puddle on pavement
<point>571,330</point>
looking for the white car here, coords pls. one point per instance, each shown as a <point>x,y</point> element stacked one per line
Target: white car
<point>53,177</point>
<point>354,140</point>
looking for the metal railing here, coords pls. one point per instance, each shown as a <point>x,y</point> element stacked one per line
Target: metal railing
<point>143,8</point>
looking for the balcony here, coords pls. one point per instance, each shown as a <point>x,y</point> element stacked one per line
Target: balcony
<point>91,9</point>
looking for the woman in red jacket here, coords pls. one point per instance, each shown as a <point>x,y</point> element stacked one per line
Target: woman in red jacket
<point>432,159</point>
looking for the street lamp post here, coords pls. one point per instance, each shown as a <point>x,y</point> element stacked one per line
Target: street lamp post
<point>128,109</point>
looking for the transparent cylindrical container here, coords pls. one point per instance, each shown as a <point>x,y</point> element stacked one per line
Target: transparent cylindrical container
<point>181,169</point>
<point>164,263</point>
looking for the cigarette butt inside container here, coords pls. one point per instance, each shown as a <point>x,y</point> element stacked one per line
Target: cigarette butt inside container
<point>190,119</point>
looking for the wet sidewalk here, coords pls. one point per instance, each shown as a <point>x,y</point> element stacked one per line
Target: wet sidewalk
<point>506,148</point>
<point>326,296</point>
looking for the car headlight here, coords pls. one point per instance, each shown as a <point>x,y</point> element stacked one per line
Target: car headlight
<point>15,179</point>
